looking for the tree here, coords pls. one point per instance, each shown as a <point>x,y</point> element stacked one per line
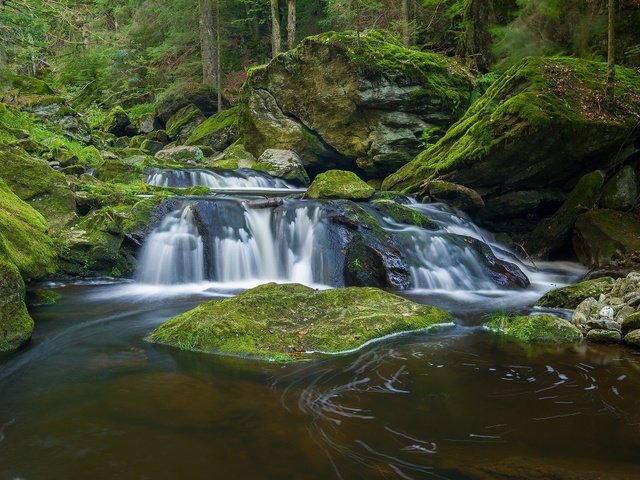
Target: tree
<point>291,23</point>
<point>3,52</point>
<point>208,51</point>
<point>355,14</point>
<point>611,64</point>
<point>275,28</point>
<point>405,22</point>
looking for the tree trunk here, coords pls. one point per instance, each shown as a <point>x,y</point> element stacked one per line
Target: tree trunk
<point>85,37</point>
<point>3,52</point>
<point>405,22</point>
<point>207,44</point>
<point>611,64</point>
<point>218,57</point>
<point>275,28</point>
<point>291,23</point>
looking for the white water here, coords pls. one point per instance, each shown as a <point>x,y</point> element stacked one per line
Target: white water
<point>235,180</point>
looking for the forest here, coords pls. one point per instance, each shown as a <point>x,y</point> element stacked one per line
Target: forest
<point>320,239</point>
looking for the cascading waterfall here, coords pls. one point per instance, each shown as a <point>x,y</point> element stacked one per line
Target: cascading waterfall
<point>236,179</point>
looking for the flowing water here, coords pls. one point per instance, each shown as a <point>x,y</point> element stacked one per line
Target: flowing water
<point>89,398</point>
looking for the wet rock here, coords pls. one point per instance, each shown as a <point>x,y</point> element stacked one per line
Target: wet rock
<point>572,295</point>
<point>401,214</point>
<point>335,184</point>
<point>15,323</point>
<point>503,273</point>
<point>633,338</point>
<point>630,323</point>
<point>604,336</point>
<point>457,196</point>
<point>536,328</point>
<point>285,164</point>
<point>284,322</point>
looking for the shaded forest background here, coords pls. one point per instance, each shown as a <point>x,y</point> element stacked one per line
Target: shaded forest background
<point>99,53</point>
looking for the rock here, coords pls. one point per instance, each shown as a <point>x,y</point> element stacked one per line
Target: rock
<point>601,236</point>
<point>182,123</point>
<point>151,147</point>
<point>116,122</point>
<point>40,297</point>
<point>339,184</point>
<point>283,322</point>
<point>627,285</point>
<point>621,192</point>
<point>502,273</point>
<point>15,323</point>
<point>401,214</point>
<point>457,196</point>
<point>349,102</point>
<point>604,336</point>
<point>22,83</point>
<point>239,154</point>
<point>633,338</point>
<point>630,323</point>
<point>148,123</point>
<point>284,164</point>
<point>127,170</point>
<point>572,295</point>
<point>180,95</point>
<point>528,132</point>
<point>584,312</point>
<point>554,232</point>
<point>536,328</point>
<point>34,181</point>
<point>518,205</point>
<point>606,312</point>
<point>218,131</point>
<point>182,154</point>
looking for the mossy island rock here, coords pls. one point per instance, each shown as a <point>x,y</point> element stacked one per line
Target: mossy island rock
<point>536,328</point>
<point>351,102</point>
<point>601,236</point>
<point>335,184</point>
<point>285,322</point>
<point>285,164</point>
<point>572,295</point>
<point>15,323</point>
<point>538,126</point>
<point>218,131</point>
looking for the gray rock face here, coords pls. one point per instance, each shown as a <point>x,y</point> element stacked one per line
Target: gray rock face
<point>621,192</point>
<point>284,164</point>
<point>181,154</point>
<point>340,109</point>
<point>148,123</point>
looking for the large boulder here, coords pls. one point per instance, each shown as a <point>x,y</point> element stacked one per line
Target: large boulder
<point>539,126</point>
<point>218,131</point>
<point>116,122</point>
<point>182,154</point>
<point>349,102</point>
<point>621,192</point>
<point>15,323</point>
<point>284,164</point>
<point>601,236</point>
<point>182,94</point>
<point>182,123</point>
<point>285,322</point>
<point>339,184</point>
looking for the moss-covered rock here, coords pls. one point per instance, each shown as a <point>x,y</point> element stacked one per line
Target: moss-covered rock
<point>183,122</point>
<point>601,236</point>
<point>284,164</point>
<point>218,131</point>
<point>402,214</point>
<point>339,184</point>
<point>539,125</point>
<point>22,84</point>
<point>15,323</point>
<point>572,295</point>
<point>621,191</point>
<point>239,153</point>
<point>116,122</point>
<point>346,101</point>
<point>633,338</point>
<point>34,181</point>
<point>23,237</point>
<point>181,155</point>
<point>554,232</point>
<point>180,95</point>
<point>630,323</point>
<point>457,196</point>
<point>535,328</point>
<point>283,322</point>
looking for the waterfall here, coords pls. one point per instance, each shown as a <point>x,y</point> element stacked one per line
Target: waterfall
<point>236,179</point>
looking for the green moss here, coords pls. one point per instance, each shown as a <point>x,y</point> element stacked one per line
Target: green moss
<point>23,236</point>
<point>402,214</point>
<point>41,297</point>
<point>282,322</point>
<point>572,295</point>
<point>535,328</point>
<point>218,131</point>
<point>224,164</point>
<point>339,184</point>
<point>15,323</point>
<point>542,108</point>
<point>23,84</point>
<point>116,121</point>
<point>182,118</point>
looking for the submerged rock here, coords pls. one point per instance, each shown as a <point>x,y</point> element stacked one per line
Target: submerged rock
<point>335,184</point>
<point>283,322</point>
<point>351,102</point>
<point>572,295</point>
<point>536,328</point>
<point>15,323</point>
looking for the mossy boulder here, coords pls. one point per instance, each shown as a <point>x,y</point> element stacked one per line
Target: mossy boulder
<point>34,181</point>
<point>536,328</point>
<point>15,323</point>
<point>631,323</point>
<point>218,131</point>
<point>633,338</point>
<point>182,154</point>
<point>342,100</point>
<point>22,83</point>
<point>182,123</point>
<point>402,214</point>
<point>621,191</point>
<point>180,95</point>
<point>286,322</point>
<point>457,196</point>
<point>23,237</point>
<point>339,184</point>
<point>284,164</point>
<point>554,232</point>
<point>116,122</point>
<point>602,236</point>
<point>239,153</point>
<point>572,295</point>
<point>540,125</point>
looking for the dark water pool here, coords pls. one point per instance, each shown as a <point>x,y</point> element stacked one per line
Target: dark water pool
<point>88,398</point>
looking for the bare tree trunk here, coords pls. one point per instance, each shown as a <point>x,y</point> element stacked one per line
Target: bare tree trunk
<point>611,64</point>
<point>405,22</point>
<point>207,47</point>
<point>85,37</point>
<point>275,28</point>
<point>218,57</point>
<point>3,52</point>
<point>291,23</point>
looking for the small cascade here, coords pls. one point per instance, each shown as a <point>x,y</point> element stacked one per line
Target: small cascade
<point>243,179</point>
<point>174,252</point>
